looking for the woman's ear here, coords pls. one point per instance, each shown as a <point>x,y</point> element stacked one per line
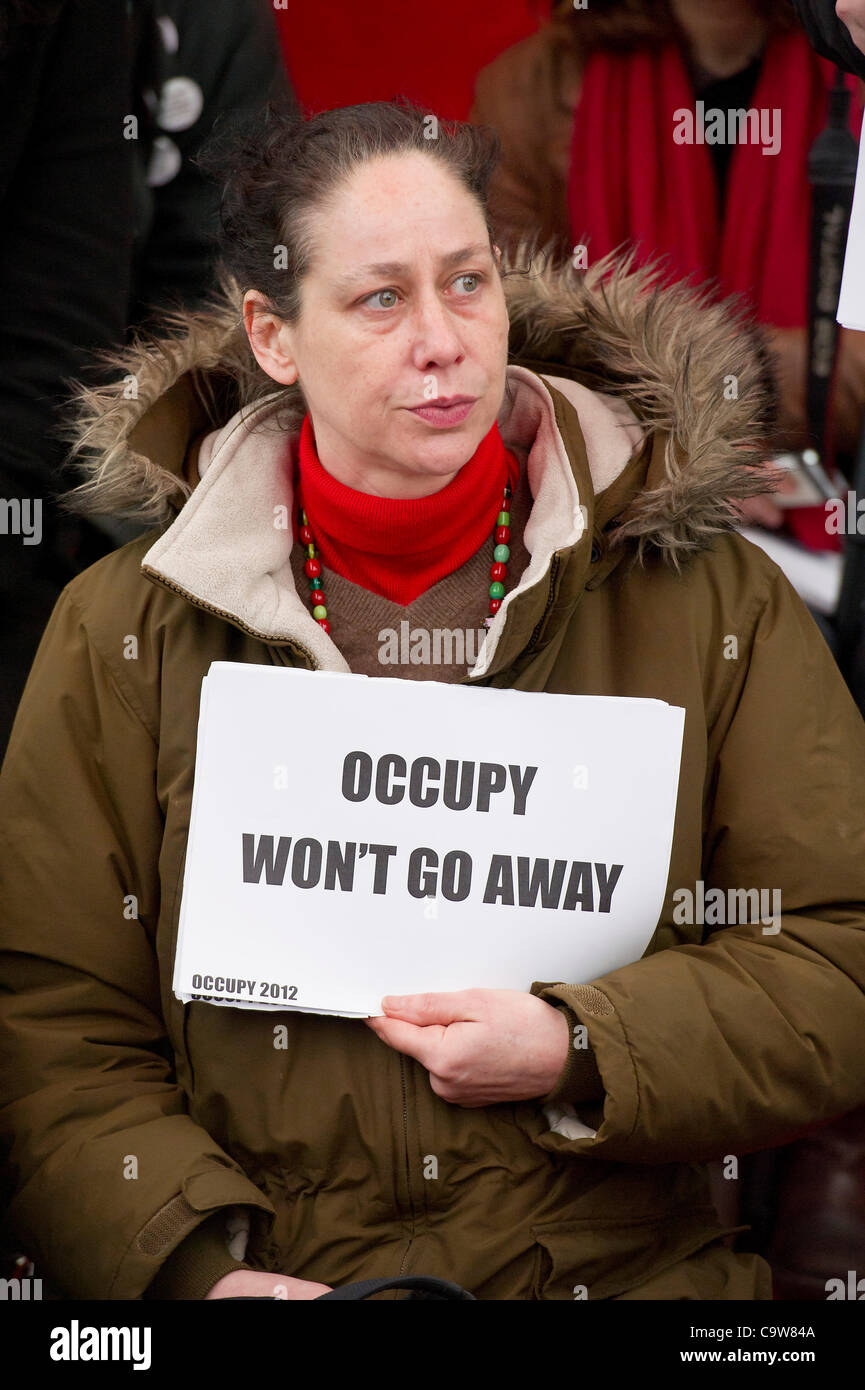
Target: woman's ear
<point>269,339</point>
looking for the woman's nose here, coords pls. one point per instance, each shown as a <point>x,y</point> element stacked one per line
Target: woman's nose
<point>435,337</point>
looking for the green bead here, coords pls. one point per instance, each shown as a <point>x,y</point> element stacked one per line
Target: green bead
<point>319,611</point>
<point>501,554</point>
<point>315,583</point>
<point>497,590</point>
<point>504,519</point>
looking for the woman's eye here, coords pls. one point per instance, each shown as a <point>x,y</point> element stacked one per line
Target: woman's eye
<point>378,294</point>
<point>388,299</point>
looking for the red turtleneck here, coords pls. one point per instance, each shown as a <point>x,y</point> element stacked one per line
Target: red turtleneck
<point>399,547</point>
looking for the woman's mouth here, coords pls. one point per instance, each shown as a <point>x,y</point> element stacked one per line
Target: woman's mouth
<point>443,413</point>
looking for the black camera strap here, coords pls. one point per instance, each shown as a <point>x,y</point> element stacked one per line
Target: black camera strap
<point>832,174</point>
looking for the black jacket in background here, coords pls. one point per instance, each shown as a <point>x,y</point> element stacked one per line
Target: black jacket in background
<point>67,220</point>
<point>87,243</point>
<point>829,35</point>
<point>227,55</point>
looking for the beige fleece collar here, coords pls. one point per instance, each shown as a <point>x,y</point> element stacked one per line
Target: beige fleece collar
<point>229,547</point>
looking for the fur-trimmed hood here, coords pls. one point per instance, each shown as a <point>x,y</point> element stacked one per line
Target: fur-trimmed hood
<point>692,370</point>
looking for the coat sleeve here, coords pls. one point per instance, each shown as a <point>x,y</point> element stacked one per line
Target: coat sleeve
<point>754,1036</point>
<point>108,1171</point>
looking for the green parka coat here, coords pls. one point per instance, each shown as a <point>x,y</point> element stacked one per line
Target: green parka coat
<point>130,1118</point>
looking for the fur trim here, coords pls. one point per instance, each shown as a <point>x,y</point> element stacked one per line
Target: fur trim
<point>695,370</point>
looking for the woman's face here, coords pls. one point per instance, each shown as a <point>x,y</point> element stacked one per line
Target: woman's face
<point>402,305</point>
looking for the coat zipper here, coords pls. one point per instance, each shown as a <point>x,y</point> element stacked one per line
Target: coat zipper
<point>230,617</point>
<point>554,569</point>
<point>407,1162</point>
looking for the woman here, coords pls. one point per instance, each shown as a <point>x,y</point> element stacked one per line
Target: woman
<point>595,152</point>
<point>365,284</point>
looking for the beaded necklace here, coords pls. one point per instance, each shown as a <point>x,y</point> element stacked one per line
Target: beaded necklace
<point>498,569</point>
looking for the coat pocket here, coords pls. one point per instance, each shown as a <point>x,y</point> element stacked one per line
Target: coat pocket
<point>593,1259</point>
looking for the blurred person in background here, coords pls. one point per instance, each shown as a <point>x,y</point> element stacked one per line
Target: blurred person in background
<point>105,222</point>
<point>67,228</point>
<point>212,61</point>
<point>586,110</point>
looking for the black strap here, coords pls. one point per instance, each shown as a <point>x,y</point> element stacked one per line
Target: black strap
<point>832,174</point>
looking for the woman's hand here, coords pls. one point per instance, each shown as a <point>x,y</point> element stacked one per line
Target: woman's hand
<point>761,510</point>
<point>253,1283</point>
<point>789,348</point>
<point>480,1046</point>
<point>789,351</point>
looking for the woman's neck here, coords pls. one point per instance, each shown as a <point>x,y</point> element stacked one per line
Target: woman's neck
<point>400,547</point>
<point>724,39</point>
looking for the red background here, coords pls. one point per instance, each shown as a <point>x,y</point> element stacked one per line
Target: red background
<point>351,51</point>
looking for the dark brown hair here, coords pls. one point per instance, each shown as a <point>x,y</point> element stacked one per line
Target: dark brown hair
<point>279,167</point>
<point>623,25</point>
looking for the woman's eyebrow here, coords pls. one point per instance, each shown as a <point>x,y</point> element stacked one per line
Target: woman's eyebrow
<point>400,268</point>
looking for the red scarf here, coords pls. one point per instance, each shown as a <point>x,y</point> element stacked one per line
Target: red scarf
<point>629,181</point>
<point>400,547</point>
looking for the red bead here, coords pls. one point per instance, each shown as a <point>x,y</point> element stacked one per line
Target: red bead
<point>313,568</point>
<point>503,535</point>
<point>498,570</point>
<point>305,536</point>
<point>322,622</point>
<point>316,596</point>
<point>495,605</point>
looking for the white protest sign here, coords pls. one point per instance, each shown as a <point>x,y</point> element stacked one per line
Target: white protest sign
<point>354,837</point>
<point>851,301</point>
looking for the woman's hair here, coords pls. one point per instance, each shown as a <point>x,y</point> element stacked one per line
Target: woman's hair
<point>278,169</point>
<point>622,25</point>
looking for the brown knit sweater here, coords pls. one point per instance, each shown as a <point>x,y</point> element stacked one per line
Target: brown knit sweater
<point>378,637</point>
